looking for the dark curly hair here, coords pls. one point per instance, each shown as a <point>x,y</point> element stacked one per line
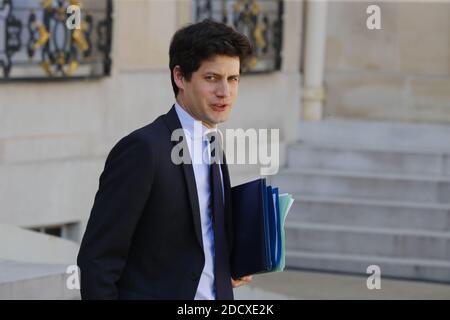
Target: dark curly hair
<point>193,44</point>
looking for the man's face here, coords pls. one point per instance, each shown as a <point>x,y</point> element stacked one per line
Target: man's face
<point>212,90</point>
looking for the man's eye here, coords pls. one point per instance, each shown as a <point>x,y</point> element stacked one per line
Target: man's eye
<point>210,78</point>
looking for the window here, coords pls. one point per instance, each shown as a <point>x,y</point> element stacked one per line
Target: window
<point>36,43</point>
<point>69,231</point>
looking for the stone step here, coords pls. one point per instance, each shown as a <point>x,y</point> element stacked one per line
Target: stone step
<point>396,187</point>
<point>419,244</point>
<point>388,136</point>
<point>370,213</point>
<point>303,156</point>
<point>35,281</point>
<point>418,269</point>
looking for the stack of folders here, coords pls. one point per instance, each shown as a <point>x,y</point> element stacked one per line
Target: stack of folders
<point>259,213</point>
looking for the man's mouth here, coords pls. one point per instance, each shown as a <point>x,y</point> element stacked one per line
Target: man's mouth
<point>220,107</point>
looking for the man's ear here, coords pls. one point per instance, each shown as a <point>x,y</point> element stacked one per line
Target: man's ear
<point>178,77</point>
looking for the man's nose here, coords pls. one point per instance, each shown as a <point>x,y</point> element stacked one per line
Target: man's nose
<point>223,89</point>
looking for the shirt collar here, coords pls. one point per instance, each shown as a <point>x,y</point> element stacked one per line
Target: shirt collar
<point>188,123</point>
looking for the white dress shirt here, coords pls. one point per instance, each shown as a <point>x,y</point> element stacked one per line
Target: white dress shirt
<point>199,148</point>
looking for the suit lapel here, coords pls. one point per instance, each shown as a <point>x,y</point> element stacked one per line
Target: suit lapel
<point>173,123</point>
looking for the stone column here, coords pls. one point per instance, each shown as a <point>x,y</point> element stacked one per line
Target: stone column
<point>316,31</point>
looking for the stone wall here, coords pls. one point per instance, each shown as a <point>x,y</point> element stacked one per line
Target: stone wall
<point>398,73</point>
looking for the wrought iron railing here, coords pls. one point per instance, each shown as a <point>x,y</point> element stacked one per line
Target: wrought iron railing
<point>260,20</point>
<point>37,44</point>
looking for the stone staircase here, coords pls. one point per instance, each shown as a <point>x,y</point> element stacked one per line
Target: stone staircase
<point>369,193</point>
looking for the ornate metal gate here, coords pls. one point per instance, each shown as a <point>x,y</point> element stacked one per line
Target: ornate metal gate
<point>36,44</point>
<point>260,20</point>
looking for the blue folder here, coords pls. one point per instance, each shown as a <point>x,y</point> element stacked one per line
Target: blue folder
<point>257,244</point>
<point>251,250</point>
<point>278,248</point>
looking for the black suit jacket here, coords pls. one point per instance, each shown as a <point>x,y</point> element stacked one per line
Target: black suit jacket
<point>143,239</point>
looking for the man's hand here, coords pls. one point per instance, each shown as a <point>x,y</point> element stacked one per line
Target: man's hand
<point>241,281</point>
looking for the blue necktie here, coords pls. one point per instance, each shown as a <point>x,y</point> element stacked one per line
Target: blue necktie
<point>222,275</point>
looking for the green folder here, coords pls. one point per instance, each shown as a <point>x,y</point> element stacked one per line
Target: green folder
<point>286,202</point>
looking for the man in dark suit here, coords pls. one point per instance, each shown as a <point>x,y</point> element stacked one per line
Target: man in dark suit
<point>159,229</point>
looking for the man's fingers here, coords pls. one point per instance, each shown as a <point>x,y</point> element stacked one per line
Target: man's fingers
<point>241,281</point>
<point>247,278</point>
<point>236,283</point>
